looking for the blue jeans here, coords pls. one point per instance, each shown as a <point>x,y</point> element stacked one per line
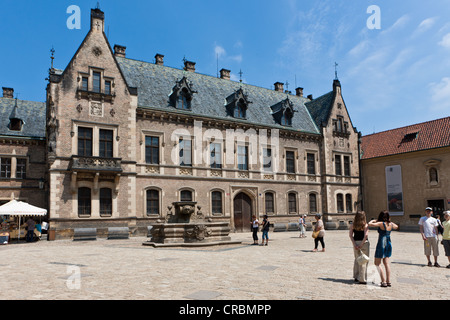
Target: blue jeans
<point>30,236</point>
<point>265,235</point>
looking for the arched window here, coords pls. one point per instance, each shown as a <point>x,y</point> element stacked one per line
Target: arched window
<point>312,203</point>
<point>286,118</point>
<point>239,110</point>
<point>216,202</point>
<point>105,202</point>
<point>152,202</point>
<point>186,195</point>
<point>292,199</point>
<point>270,202</point>
<point>340,202</point>
<point>348,202</point>
<point>84,202</point>
<point>184,100</point>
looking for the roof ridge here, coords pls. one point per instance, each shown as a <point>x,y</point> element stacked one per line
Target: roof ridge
<point>407,126</point>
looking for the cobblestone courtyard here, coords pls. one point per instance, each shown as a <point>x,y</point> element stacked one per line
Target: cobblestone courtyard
<point>286,269</point>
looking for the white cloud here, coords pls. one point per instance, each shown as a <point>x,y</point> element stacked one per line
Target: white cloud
<point>445,42</point>
<point>426,24</point>
<point>440,92</point>
<point>219,51</point>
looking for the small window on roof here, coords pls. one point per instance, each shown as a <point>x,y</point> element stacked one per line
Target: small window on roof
<point>410,136</point>
<point>15,124</point>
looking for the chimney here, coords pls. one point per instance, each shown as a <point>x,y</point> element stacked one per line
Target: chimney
<point>299,92</point>
<point>225,74</point>
<point>310,97</point>
<point>159,59</point>
<point>8,92</point>
<point>97,20</point>
<point>120,51</point>
<point>279,86</point>
<point>189,66</point>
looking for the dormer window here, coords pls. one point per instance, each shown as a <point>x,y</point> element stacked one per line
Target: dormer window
<point>15,124</point>
<point>95,85</point>
<point>240,110</point>
<point>182,94</point>
<point>96,82</point>
<point>237,104</point>
<point>184,100</point>
<point>283,112</point>
<point>286,118</point>
<point>340,127</point>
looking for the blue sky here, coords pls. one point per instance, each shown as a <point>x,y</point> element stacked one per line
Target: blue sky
<point>391,77</point>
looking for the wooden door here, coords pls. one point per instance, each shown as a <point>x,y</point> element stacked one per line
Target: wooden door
<point>242,212</point>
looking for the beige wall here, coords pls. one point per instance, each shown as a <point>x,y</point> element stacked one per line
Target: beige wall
<point>417,187</point>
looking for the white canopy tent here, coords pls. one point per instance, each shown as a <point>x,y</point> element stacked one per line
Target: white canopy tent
<point>21,209</point>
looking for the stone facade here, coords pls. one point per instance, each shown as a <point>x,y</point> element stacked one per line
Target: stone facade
<point>120,149</point>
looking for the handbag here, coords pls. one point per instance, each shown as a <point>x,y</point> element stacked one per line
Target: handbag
<point>315,234</point>
<point>362,258</point>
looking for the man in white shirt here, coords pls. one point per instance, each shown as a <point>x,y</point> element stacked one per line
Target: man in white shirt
<point>428,229</point>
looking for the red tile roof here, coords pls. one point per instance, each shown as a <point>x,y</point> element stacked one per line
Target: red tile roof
<point>421,136</point>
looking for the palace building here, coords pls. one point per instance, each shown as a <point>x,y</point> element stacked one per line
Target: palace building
<point>118,141</point>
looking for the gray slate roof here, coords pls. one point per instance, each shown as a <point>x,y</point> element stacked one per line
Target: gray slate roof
<point>30,112</point>
<point>155,84</point>
<point>320,108</point>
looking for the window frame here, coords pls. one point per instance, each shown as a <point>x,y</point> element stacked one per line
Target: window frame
<point>84,201</point>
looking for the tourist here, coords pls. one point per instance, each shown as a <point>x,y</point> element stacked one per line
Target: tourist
<point>265,230</point>
<point>359,232</point>
<point>428,230</point>
<point>30,230</point>
<point>446,235</point>
<point>255,226</point>
<point>319,227</point>
<point>383,250</point>
<point>302,226</point>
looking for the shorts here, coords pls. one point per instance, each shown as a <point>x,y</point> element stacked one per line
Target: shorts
<point>446,244</point>
<point>431,244</point>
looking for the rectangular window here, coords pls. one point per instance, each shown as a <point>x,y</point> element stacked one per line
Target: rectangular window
<point>312,203</point>
<point>108,87</point>
<point>216,202</point>
<point>106,143</point>
<point>152,202</point>
<point>185,150</point>
<point>84,202</point>
<point>85,142</point>
<point>242,157</point>
<point>84,84</point>
<point>338,165</point>
<point>5,168</point>
<point>152,150</point>
<point>215,155</point>
<point>347,166</point>
<point>269,200</point>
<point>292,203</point>
<point>21,169</point>
<point>105,202</point>
<point>311,163</point>
<point>267,160</point>
<point>290,161</point>
<point>96,82</point>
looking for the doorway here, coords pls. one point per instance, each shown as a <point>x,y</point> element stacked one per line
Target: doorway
<point>242,212</point>
<point>438,207</point>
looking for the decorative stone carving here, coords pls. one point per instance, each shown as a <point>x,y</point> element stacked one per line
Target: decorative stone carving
<point>152,169</point>
<point>243,175</point>
<point>186,171</point>
<point>291,177</point>
<point>199,232</point>
<point>269,177</point>
<point>216,173</point>
<point>96,109</point>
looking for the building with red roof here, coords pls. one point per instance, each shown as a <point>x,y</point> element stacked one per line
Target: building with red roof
<point>407,169</point>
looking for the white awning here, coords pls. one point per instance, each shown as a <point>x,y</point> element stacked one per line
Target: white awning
<point>19,208</point>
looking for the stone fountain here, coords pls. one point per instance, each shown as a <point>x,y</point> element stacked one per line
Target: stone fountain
<point>186,226</point>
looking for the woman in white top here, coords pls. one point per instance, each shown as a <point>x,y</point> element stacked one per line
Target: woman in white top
<point>255,227</point>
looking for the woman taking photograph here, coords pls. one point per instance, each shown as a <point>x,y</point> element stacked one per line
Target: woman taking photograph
<point>358,233</point>
<point>384,246</point>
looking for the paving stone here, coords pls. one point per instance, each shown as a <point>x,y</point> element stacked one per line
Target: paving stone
<point>203,295</point>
